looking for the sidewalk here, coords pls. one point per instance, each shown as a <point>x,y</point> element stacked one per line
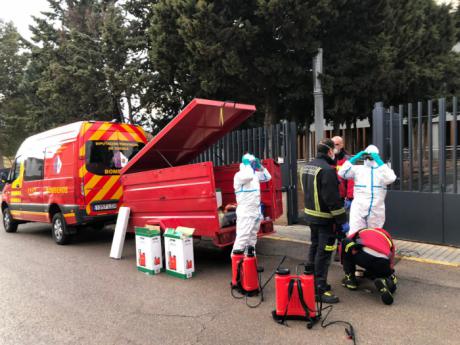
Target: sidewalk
<point>407,250</point>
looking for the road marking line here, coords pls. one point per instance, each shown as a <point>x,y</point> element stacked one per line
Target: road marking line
<point>429,261</point>
<point>410,258</point>
<point>287,239</point>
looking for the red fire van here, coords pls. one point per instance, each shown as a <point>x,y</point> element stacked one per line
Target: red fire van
<point>69,176</point>
<point>162,187</point>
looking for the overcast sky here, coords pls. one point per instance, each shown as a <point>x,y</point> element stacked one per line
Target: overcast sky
<point>20,12</point>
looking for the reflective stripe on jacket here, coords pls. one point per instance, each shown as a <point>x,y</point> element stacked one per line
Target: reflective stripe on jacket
<point>323,204</point>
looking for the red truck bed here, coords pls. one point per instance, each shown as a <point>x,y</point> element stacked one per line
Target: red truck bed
<point>161,188</point>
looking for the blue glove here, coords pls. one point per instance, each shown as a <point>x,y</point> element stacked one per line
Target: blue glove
<point>357,156</point>
<point>347,204</point>
<point>255,164</point>
<point>377,159</point>
<point>345,228</point>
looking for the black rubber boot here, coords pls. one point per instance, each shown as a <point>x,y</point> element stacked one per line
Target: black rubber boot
<point>391,282</point>
<point>350,282</point>
<point>384,290</point>
<point>329,297</point>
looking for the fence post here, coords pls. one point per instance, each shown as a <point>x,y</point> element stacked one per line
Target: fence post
<point>442,144</point>
<point>454,148</point>
<point>291,151</point>
<point>378,129</point>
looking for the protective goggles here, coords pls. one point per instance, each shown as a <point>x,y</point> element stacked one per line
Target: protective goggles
<point>367,156</point>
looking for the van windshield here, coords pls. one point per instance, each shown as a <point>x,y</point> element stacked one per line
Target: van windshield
<point>107,157</point>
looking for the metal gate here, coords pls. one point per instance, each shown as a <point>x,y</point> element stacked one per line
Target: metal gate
<point>421,142</point>
<point>277,142</point>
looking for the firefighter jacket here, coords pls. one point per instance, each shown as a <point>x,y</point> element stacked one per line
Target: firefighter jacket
<point>345,186</point>
<point>376,242</point>
<point>320,185</point>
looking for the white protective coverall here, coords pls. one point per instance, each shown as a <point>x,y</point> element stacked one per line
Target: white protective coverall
<point>248,214</point>
<point>371,180</point>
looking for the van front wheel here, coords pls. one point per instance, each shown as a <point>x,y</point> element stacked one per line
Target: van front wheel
<point>9,223</point>
<point>59,229</point>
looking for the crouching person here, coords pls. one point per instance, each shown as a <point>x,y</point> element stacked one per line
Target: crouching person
<point>373,250</point>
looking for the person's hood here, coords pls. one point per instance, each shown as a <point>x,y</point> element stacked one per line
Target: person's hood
<point>372,149</point>
<point>247,157</point>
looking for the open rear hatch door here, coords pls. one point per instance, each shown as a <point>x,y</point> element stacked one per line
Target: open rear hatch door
<point>201,124</point>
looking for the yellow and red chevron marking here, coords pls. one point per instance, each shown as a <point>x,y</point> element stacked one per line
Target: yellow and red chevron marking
<point>136,132</point>
<point>85,128</point>
<point>118,193</point>
<point>113,190</point>
<point>108,186</point>
<point>94,184</point>
<point>93,181</point>
<point>100,131</point>
<point>118,132</point>
<point>111,131</point>
<point>82,171</point>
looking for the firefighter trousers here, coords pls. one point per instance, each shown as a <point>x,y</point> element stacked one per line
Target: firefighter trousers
<point>376,267</point>
<point>321,249</point>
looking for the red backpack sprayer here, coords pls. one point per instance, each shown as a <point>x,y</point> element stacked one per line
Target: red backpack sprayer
<point>296,295</point>
<point>247,276</point>
<point>296,299</point>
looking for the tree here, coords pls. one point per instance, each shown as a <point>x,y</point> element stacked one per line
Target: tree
<point>13,60</point>
<point>80,63</point>
<point>392,51</point>
<point>256,51</point>
<point>119,72</point>
<point>141,69</point>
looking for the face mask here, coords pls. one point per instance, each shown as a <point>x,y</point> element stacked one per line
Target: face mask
<point>332,157</point>
<point>369,163</point>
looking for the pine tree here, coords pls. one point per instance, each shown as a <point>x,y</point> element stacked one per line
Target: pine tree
<point>243,50</point>
<point>13,60</point>
<point>80,63</point>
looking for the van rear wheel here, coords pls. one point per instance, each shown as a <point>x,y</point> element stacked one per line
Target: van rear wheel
<point>9,223</point>
<point>59,229</point>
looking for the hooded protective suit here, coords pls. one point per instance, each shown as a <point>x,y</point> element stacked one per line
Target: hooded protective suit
<point>247,190</point>
<point>371,180</point>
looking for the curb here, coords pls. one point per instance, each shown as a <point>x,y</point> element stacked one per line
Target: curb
<point>403,257</point>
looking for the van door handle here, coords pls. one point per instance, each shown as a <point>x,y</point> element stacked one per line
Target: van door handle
<point>162,197</point>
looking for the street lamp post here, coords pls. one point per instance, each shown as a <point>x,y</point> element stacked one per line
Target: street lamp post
<point>318,95</point>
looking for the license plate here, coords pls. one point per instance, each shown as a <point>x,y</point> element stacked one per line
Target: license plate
<point>105,207</point>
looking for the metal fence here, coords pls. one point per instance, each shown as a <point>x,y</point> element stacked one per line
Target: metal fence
<point>355,140</point>
<point>421,142</point>
<point>277,142</point>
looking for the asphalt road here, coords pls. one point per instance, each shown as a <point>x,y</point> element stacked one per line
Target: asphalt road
<point>76,294</point>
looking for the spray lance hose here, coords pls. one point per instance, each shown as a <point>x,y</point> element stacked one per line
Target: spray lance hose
<point>262,286</point>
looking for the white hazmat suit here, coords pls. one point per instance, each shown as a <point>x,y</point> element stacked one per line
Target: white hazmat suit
<point>371,180</point>
<point>248,213</point>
